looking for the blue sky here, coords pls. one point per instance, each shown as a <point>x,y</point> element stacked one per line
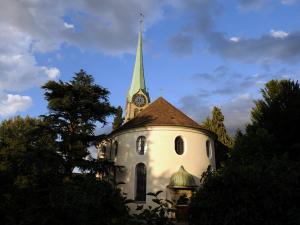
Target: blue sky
<point>197,53</point>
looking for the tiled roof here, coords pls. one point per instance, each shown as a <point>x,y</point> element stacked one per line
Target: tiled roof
<point>161,113</point>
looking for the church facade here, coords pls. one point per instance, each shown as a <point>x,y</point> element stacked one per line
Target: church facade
<point>159,146</point>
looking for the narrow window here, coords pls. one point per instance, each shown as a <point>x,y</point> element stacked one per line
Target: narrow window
<point>208,152</point>
<point>110,151</point>
<point>179,145</point>
<point>104,150</point>
<point>140,187</point>
<point>141,145</point>
<point>136,111</point>
<point>116,148</point>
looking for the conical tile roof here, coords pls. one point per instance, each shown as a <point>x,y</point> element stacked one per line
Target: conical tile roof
<point>161,113</point>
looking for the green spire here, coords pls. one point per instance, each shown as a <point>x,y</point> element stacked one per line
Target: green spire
<point>182,179</point>
<point>138,80</point>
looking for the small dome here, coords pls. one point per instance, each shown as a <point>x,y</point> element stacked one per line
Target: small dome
<point>182,179</point>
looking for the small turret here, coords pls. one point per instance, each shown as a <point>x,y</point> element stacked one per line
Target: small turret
<point>182,179</point>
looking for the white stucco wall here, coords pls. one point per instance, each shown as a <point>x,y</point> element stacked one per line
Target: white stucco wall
<point>160,157</point>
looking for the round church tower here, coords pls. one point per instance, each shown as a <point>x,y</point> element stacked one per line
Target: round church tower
<point>156,140</point>
<point>155,143</point>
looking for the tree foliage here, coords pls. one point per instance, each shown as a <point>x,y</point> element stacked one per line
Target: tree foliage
<point>37,157</point>
<point>224,141</point>
<point>118,119</point>
<point>260,182</point>
<point>216,124</point>
<point>75,108</point>
<point>278,113</point>
<point>28,151</point>
<point>29,168</point>
<point>159,214</point>
<point>266,192</point>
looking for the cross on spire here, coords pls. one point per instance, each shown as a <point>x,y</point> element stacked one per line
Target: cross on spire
<point>138,79</point>
<point>141,21</point>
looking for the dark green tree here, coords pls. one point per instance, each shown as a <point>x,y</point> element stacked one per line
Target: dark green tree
<point>29,170</point>
<point>118,119</point>
<point>216,124</point>
<point>160,213</point>
<point>259,183</point>
<point>265,192</point>
<point>275,123</point>
<point>224,141</point>
<point>74,109</point>
<point>86,200</point>
<point>278,113</point>
<point>37,185</point>
<point>27,150</point>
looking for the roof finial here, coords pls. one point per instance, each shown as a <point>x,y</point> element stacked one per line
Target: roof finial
<point>141,21</point>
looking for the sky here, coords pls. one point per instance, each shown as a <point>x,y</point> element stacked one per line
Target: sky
<point>197,53</point>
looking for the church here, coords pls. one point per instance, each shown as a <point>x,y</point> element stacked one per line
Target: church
<point>159,146</point>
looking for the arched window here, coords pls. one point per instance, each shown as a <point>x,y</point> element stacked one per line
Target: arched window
<point>208,152</point>
<point>179,145</point>
<point>116,148</point>
<point>141,145</point>
<point>140,186</point>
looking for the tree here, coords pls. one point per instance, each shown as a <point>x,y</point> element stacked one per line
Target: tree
<point>216,124</point>
<point>224,141</point>
<point>29,170</point>
<point>118,119</point>
<point>159,214</point>
<point>278,113</point>
<point>37,185</point>
<point>259,183</point>
<point>74,109</point>
<point>27,150</point>
<point>265,192</point>
<point>275,124</point>
<point>86,200</point>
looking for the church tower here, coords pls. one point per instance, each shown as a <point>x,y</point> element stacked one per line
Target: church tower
<point>137,97</point>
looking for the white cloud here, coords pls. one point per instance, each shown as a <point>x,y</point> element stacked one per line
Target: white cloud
<point>52,72</point>
<point>38,26</point>
<point>19,70</point>
<point>68,25</point>
<point>235,39</point>
<point>11,104</point>
<point>107,26</point>
<point>288,2</point>
<point>278,34</point>
<point>252,4</point>
<point>18,66</point>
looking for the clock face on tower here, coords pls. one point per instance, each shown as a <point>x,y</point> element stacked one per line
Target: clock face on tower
<point>139,100</point>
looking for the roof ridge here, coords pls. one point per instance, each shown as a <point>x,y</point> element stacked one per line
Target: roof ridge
<point>178,110</point>
<point>161,113</point>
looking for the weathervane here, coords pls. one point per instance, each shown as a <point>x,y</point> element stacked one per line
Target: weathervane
<point>141,21</point>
